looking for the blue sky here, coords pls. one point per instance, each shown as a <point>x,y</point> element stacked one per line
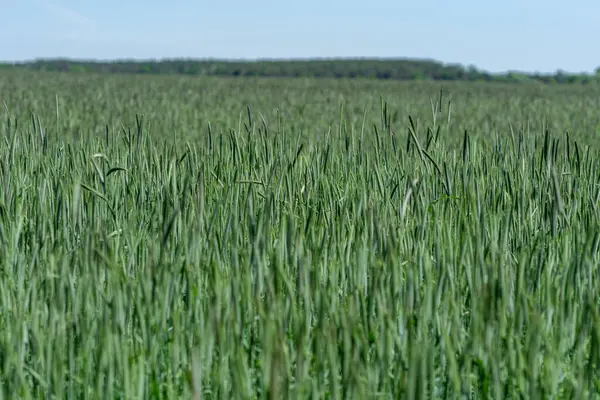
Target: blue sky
<point>526,35</point>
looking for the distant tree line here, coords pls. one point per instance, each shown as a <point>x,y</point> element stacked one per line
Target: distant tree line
<point>398,69</point>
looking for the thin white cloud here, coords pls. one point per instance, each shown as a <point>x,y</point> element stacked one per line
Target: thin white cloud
<point>68,16</point>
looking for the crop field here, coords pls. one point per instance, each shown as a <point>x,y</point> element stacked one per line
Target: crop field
<point>219,238</point>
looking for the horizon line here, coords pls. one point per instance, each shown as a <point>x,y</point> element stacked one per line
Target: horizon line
<point>137,60</point>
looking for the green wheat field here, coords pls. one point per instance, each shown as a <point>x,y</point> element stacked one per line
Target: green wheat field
<point>166,237</point>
